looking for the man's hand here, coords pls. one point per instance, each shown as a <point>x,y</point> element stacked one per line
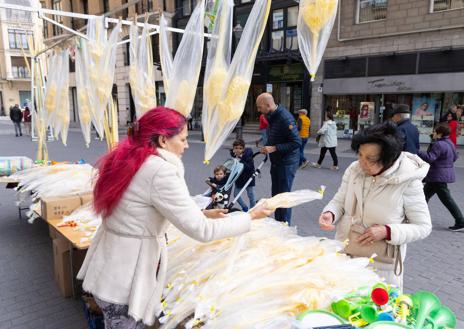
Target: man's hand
<point>326,221</point>
<point>268,149</point>
<point>372,234</point>
<point>215,213</point>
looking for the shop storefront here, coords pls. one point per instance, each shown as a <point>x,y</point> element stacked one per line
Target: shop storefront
<point>361,102</point>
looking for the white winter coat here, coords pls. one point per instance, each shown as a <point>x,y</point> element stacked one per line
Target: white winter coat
<point>122,261</point>
<point>328,134</point>
<point>395,194</point>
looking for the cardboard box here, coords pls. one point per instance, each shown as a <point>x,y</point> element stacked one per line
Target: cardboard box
<point>62,265</point>
<point>58,207</point>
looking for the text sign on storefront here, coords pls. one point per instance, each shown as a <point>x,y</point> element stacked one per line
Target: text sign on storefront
<point>386,83</point>
<point>418,83</point>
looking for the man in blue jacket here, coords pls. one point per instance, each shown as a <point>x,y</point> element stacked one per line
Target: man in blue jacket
<point>283,147</point>
<point>401,116</point>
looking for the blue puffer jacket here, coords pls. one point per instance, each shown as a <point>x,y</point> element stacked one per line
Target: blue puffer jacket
<point>411,136</point>
<point>283,134</point>
<point>441,156</point>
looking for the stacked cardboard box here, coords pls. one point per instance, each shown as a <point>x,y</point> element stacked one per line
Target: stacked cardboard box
<point>58,207</point>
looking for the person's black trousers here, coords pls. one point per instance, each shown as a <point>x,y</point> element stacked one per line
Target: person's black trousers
<point>282,180</point>
<point>441,189</point>
<point>332,153</point>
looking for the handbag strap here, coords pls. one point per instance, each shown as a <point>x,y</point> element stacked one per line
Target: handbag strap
<point>398,262</point>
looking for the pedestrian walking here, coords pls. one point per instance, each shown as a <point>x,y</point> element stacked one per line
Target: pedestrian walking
<point>452,120</point>
<point>27,120</point>
<point>441,155</point>
<point>376,194</point>
<point>245,156</point>
<point>402,118</point>
<point>283,147</point>
<point>263,124</point>
<point>327,136</point>
<point>304,126</point>
<point>16,116</point>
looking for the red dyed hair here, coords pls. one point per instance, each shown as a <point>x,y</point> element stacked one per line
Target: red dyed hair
<point>117,167</point>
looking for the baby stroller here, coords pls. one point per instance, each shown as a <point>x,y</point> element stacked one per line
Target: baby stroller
<point>234,169</point>
<point>221,198</point>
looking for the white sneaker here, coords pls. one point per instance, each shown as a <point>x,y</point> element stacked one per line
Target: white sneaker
<point>304,165</point>
<point>315,165</point>
<point>335,168</point>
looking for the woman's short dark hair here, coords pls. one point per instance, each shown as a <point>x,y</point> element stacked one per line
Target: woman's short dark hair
<point>329,115</point>
<point>239,142</point>
<point>443,130</point>
<point>386,136</point>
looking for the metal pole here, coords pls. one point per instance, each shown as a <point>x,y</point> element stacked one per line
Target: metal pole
<point>33,109</point>
<point>64,27</point>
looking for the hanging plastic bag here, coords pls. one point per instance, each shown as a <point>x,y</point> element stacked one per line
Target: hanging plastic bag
<point>141,75</point>
<point>51,89</point>
<point>181,83</point>
<point>225,94</point>
<point>98,55</point>
<point>83,93</point>
<point>58,119</point>
<point>315,21</point>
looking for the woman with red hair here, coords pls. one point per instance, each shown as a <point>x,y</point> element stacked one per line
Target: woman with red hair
<point>140,189</point>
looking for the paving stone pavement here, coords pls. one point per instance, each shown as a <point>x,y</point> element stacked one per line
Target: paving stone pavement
<point>29,297</point>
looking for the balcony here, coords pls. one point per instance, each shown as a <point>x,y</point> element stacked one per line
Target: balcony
<point>372,10</point>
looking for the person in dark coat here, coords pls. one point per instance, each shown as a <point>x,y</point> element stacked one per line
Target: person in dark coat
<point>401,116</point>
<point>16,116</point>
<point>245,155</point>
<point>283,147</point>
<point>441,156</point>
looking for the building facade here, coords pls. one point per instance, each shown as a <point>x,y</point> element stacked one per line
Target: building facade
<point>16,27</point>
<point>387,52</point>
<point>125,9</point>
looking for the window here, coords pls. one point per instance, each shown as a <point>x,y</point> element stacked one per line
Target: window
<point>17,39</point>
<point>56,29</point>
<point>371,10</point>
<point>291,37</point>
<point>284,33</point>
<point>440,5</point>
<point>106,6</point>
<point>19,68</point>
<point>186,7</point>
<point>277,34</point>
<point>18,15</point>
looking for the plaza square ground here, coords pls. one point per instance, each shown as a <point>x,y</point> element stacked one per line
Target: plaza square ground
<point>29,297</point>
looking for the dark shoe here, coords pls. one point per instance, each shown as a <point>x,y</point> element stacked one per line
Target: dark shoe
<point>456,228</point>
<point>20,134</point>
<point>245,209</point>
<point>16,135</point>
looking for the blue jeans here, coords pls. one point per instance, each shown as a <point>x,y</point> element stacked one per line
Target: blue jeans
<point>17,127</point>
<point>251,196</point>
<point>282,180</point>
<point>303,144</point>
<point>264,136</point>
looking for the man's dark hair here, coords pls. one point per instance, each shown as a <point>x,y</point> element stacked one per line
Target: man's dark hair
<point>239,142</point>
<point>386,136</point>
<point>329,115</point>
<point>443,130</point>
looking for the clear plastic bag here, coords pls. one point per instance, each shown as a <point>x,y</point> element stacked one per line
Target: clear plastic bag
<point>315,21</point>
<point>291,199</point>
<point>83,94</point>
<point>141,75</point>
<point>181,82</point>
<point>258,280</point>
<point>97,66</point>
<point>226,86</point>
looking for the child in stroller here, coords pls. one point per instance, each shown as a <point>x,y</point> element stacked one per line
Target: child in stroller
<point>222,183</point>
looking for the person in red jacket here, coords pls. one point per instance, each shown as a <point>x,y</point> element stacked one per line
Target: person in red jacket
<point>263,123</point>
<point>453,126</point>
